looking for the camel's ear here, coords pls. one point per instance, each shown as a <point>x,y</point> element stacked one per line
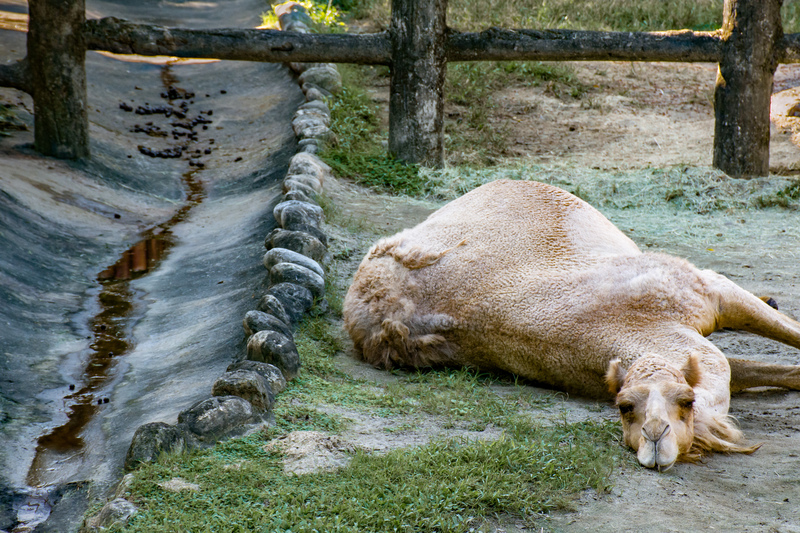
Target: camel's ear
<point>691,370</point>
<point>615,376</point>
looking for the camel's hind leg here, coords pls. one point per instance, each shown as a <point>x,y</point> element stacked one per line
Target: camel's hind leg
<point>748,374</point>
<point>739,309</point>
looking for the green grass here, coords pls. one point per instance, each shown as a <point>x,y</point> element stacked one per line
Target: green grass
<point>448,485</point>
<point>445,486</point>
<point>609,15</point>
<point>696,189</point>
<point>322,16</point>
<point>358,152</point>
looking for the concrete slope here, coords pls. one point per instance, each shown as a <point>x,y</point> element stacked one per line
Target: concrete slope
<point>63,224</point>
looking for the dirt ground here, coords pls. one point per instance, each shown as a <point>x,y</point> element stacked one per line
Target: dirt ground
<point>653,115</point>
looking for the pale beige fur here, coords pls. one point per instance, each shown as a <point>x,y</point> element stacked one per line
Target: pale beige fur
<point>526,278</point>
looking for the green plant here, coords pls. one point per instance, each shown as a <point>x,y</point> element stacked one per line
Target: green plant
<point>445,486</point>
<point>324,16</point>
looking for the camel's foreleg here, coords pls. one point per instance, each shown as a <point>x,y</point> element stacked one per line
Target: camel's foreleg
<point>748,374</point>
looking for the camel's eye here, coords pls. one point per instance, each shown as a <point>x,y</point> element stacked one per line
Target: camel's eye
<point>625,408</point>
<point>686,404</point>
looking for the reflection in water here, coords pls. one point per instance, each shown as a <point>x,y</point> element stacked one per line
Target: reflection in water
<point>110,330</point>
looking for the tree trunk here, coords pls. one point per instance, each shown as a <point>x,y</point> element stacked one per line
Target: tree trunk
<point>419,65</point>
<point>57,56</point>
<point>752,33</point>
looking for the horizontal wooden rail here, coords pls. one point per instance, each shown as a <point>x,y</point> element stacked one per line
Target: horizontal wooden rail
<point>497,44</point>
<point>122,37</point>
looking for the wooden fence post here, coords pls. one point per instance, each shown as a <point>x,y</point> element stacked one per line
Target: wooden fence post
<point>751,33</point>
<point>419,65</point>
<point>56,59</point>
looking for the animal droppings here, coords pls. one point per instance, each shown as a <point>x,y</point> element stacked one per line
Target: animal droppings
<point>167,153</point>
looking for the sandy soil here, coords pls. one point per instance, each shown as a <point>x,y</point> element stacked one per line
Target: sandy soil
<point>647,115</point>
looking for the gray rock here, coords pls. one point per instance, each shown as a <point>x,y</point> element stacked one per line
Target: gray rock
<point>319,131</point>
<point>314,95</point>
<point>301,216</point>
<point>298,68</point>
<point>291,210</point>
<point>317,105</point>
<point>297,27</point>
<point>288,13</point>
<point>271,373</point>
<point>308,164</point>
<point>309,180</point>
<point>309,146</point>
<point>124,485</point>
<point>306,87</point>
<point>299,275</point>
<point>245,384</point>
<point>272,306</point>
<point>151,440</point>
<point>220,417</point>
<point>118,511</point>
<point>290,185</point>
<point>297,195</point>
<point>295,299</point>
<point>255,321</point>
<point>276,349</point>
<point>297,241</point>
<point>309,127</point>
<point>282,255</point>
<point>305,142</point>
<point>313,114</point>
<point>326,77</point>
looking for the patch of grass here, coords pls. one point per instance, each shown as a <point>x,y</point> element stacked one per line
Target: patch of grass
<point>377,170</point>
<point>617,15</point>
<point>697,189</point>
<point>302,418</point>
<point>460,396</point>
<point>445,486</point>
<point>358,152</point>
<point>322,16</point>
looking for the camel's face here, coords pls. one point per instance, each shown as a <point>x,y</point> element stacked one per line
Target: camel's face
<point>655,402</point>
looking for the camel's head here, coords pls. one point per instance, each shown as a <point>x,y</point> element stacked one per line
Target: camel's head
<point>655,401</point>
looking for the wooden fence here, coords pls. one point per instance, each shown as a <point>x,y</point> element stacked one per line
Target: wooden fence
<point>418,46</point>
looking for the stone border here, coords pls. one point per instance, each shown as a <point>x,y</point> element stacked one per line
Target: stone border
<point>242,398</point>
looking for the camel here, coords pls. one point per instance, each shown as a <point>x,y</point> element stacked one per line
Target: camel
<point>523,277</point>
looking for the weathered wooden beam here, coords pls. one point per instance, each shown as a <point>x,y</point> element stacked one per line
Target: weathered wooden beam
<point>416,102</point>
<point>496,44</point>
<point>122,37</point>
<point>56,60</point>
<point>16,75</point>
<point>752,32</point>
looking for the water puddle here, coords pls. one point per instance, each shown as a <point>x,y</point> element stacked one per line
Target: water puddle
<point>59,453</point>
<point>110,329</point>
